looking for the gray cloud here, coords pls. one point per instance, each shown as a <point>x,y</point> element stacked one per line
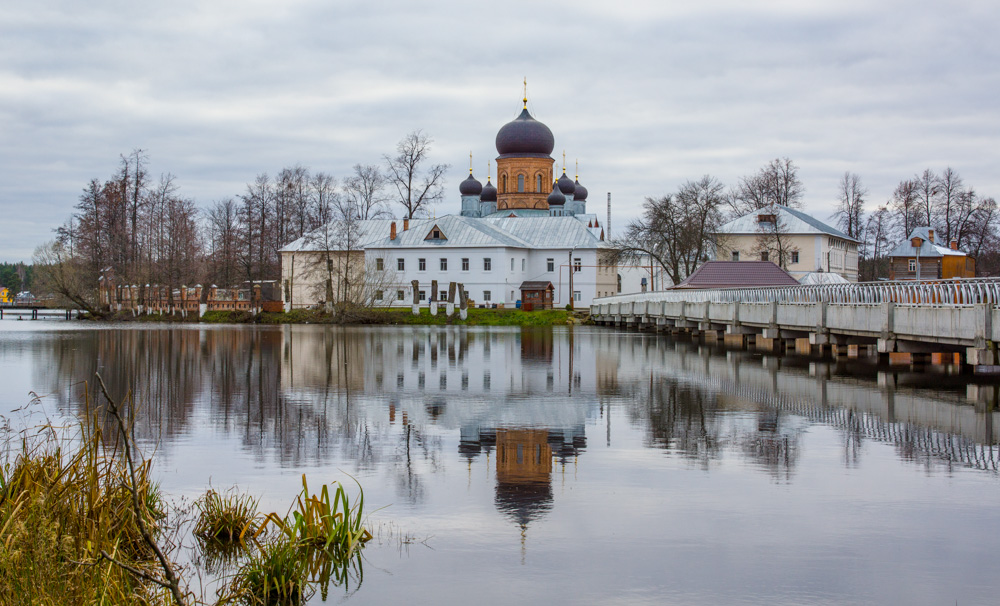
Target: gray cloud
<point>644,94</point>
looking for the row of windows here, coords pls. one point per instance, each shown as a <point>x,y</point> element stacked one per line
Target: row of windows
<point>443,295</point>
<point>539,184</point>
<point>550,264</point>
<point>764,256</point>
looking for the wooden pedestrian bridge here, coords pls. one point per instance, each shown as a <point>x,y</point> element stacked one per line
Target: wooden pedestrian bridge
<point>954,320</point>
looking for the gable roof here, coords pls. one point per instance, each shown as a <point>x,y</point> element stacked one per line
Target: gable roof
<point>537,232</point>
<point>927,248</point>
<point>793,221</point>
<point>737,274</point>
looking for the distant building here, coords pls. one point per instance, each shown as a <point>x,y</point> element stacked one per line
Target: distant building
<point>531,227</point>
<point>920,258</point>
<point>797,242</point>
<point>737,274</point>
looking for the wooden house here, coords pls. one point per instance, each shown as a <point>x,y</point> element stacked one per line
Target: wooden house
<point>920,257</point>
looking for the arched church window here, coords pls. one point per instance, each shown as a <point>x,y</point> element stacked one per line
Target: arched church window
<point>520,184</point>
<point>503,184</point>
<point>538,183</point>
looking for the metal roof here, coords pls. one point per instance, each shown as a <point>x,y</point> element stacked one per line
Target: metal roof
<point>460,232</point>
<point>927,248</point>
<point>793,222</point>
<point>737,274</point>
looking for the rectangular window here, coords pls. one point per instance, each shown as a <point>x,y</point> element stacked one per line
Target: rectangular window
<point>465,264</point>
<point>523,261</point>
<point>576,295</point>
<point>487,264</point>
<point>379,264</point>
<point>423,295</point>
<point>763,256</point>
<point>550,265</point>
<point>443,295</point>
<point>577,264</point>
<point>736,255</point>
<point>795,257</point>
<point>401,264</point>
<point>421,264</point>
<point>378,295</point>
<point>913,265</point>
<point>512,264</point>
<point>444,264</point>
<point>487,295</point>
<point>400,295</point>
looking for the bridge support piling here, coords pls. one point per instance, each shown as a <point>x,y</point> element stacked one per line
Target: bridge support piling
<point>980,356</point>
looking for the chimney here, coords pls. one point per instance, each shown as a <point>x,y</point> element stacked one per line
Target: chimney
<point>392,231</point>
<point>406,224</point>
<point>930,235</point>
<point>953,244</point>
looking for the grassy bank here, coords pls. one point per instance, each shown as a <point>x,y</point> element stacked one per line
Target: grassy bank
<point>83,522</point>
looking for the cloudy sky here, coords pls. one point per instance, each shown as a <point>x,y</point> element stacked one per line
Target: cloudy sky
<point>644,94</point>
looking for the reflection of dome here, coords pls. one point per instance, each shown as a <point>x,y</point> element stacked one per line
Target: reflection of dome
<point>470,187</point>
<point>489,192</point>
<point>580,193</point>
<point>524,502</point>
<point>525,136</point>
<point>556,198</point>
<point>566,185</point>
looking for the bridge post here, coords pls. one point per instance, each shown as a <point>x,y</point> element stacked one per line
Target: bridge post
<point>887,341</point>
<point>981,354</point>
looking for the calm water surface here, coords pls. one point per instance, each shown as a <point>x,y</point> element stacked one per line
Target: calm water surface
<point>581,466</point>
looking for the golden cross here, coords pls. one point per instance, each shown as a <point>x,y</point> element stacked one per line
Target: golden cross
<point>470,162</point>
<point>525,92</point>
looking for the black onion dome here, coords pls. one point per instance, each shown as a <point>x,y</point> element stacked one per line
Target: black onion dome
<point>580,193</point>
<point>556,198</point>
<point>489,193</point>
<point>470,187</point>
<point>566,185</point>
<point>525,136</point>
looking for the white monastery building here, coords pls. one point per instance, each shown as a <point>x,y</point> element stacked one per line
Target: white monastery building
<point>530,227</point>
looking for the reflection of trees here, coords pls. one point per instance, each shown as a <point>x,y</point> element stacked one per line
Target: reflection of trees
<point>700,425</point>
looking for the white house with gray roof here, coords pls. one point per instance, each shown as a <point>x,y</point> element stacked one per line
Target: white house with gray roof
<point>492,257</point>
<point>798,242</point>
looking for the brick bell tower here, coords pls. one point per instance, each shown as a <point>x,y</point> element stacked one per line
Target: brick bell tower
<point>524,166</point>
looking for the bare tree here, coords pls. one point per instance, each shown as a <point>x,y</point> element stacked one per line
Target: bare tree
<point>776,183</point>
<point>364,191</point>
<point>223,242</point>
<point>928,186</point>
<point>851,205</point>
<point>878,233</point>
<point>66,276</point>
<point>675,231</point>
<point>905,206</point>
<point>773,242</point>
<point>946,205</point>
<point>418,188</point>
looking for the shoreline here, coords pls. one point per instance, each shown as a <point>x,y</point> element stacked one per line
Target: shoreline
<point>385,317</point>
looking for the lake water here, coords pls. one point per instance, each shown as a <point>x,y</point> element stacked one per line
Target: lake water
<point>565,466</point>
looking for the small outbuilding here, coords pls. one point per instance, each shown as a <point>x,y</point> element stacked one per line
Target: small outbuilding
<point>536,295</point>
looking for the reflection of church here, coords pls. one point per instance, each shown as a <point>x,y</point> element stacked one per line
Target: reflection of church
<point>524,462</point>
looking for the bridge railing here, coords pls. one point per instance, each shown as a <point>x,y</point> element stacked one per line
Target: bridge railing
<point>969,291</point>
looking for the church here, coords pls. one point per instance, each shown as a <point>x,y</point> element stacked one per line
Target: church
<point>529,231</point>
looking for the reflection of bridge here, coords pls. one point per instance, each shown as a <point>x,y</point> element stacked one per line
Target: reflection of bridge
<point>897,316</point>
<point>919,423</point>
